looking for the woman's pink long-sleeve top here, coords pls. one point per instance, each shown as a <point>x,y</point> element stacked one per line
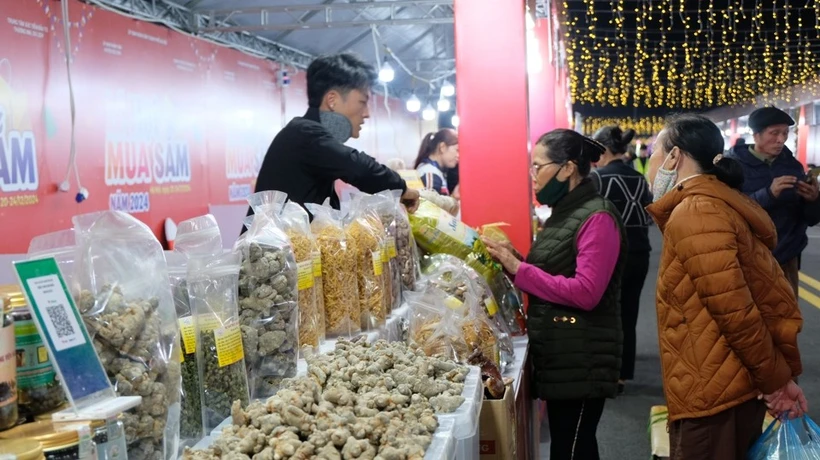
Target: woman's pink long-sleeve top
<point>599,245</point>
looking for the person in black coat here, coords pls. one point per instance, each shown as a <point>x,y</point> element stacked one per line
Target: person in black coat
<point>308,155</point>
<point>628,190</point>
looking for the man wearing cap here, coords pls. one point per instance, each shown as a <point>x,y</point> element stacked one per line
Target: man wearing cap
<point>779,183</point>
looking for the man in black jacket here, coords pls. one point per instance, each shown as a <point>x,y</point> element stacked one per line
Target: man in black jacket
<point>308,155</point>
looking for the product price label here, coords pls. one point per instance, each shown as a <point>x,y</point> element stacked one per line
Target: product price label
<point>317,264</point>
<point>207,322</point>
<point>491,305</point>
<point>391,248</point>
<point>228,345</point>
<point>385,253</point>
<point>305,274</point>
<point>188,333</point>
<point>378,269</point>
<point>453,303</point>
<point>181,349</point>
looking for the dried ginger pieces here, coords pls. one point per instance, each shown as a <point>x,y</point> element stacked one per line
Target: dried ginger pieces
<point>361,401</point>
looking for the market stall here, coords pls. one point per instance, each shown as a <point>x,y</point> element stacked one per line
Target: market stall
<point>274,345</point>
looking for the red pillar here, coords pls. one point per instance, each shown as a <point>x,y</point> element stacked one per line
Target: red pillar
<point>542,89</point>
<point>491,65</point>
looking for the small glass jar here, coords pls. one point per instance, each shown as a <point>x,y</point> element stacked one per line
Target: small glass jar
<point>57,445</point>
<point>38,386</point>
<point>22,449</point>
<point>8,369</point>
<point>108,437</point>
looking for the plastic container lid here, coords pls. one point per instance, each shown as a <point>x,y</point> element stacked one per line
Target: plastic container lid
<point>47,416</point>
<point>22,449</point>
<point>44,432</point>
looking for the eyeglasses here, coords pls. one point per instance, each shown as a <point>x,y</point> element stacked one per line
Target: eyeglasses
<point>536,168</point>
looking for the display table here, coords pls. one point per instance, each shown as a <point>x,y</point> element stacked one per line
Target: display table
<point>526,419</point>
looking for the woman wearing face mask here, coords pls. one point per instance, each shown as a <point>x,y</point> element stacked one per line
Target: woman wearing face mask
<point>437,154</point>
<point>573,276</point>
<point>629,192</point>
<point>727,317</point>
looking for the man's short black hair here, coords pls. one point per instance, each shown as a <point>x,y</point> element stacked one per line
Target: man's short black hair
<point>343,72</point>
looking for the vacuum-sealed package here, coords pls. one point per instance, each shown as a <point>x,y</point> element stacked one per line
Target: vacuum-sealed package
<point>128,309</point>
<point>340,286</point>
<point>268,298</point>
<point>365,229</point>
<point>212,287</point>
<point>311,313</point>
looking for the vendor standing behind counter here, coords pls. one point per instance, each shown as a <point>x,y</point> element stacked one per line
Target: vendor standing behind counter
<point>308,155</point>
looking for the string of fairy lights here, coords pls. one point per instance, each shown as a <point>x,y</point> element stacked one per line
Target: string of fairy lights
<point>671,53</point>
<point>643,127</point>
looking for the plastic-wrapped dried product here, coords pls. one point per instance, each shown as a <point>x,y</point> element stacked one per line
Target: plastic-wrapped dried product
<point>389,216</point>
<point>197,236</point>
<point>339,278</point>
<point>455,277</point>
<point>436,232</point>
<point>364,227</point>
<point>268,302</point>
<point>434,326</point>
<point>406,249</point>
<point>311,315</point>
<point>128,309</point>
<point>212,287</point>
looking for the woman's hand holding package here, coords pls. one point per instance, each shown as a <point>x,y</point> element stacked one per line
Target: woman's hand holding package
<point>505,254</point>
<point>788,400</point>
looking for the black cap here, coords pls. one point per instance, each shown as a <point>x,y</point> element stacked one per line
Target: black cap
<point>761,119</point>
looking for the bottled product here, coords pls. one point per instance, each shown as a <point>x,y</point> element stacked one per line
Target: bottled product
<point>8,370</point>
<point>57,445</point>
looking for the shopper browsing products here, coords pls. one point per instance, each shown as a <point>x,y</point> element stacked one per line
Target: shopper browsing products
<point>573,276</point>
<point>438,153</point>
<point>727,317</point>
<point>308,155</point>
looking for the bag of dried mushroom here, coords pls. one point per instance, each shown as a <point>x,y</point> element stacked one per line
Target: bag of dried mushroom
<point>197,237</point>
<point>296,223</point>
<point>434,326</point>
<point>389,216</point>
<point>268,298</point>
<point>212,287</point>
<point>407,252</point>
<point>128,309</point>
<point>364,227</point>
<point>456,278</point>
<point>340,286</point>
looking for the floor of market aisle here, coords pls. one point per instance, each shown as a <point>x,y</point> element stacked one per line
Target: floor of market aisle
<point>623,429</point>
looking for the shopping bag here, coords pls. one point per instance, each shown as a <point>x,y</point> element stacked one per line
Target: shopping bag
<point>795,439</point>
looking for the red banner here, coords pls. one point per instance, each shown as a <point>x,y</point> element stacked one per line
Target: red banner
<point>165,124</point>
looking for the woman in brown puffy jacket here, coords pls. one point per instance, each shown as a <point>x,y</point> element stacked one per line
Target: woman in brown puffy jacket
<point>727,317</point>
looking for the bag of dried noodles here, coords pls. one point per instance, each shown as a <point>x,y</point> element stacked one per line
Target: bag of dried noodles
<point>268,303</point>
<point>406,249</point>
<point>212,287</point>
<point>392,275</point>
<point>128,309</point>
<point>364,227</point>
<point>296,223</point>
<point>339,279</point>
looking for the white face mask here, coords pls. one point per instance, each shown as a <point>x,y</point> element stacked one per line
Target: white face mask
<point>664,181</point>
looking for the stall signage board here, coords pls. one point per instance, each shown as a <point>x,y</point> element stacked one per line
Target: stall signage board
<point>63,331</point>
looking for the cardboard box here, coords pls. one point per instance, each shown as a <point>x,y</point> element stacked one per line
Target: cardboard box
<point>497,430</point>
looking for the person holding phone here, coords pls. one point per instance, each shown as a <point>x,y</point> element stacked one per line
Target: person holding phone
<point>778,182</point>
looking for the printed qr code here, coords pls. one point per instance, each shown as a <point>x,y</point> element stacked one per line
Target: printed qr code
<point>59,316</point>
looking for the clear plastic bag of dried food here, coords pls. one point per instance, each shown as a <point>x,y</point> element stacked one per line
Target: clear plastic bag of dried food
<point>510,303</point>
<point>390,217</point>
<point>311,313</point>
<point>268,299</point>
<point>129,312</point>
<point>340,285</point>
<point>190,424</point>
<point>455,277</point>
<point>435,324</point>
<point>199,235</point>
<point>365,229</point>
<point>212,287</point>
<point>407,251</point>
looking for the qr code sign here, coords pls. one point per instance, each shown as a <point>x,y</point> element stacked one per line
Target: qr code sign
<point>59,317</point>
<point>55,309</point>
